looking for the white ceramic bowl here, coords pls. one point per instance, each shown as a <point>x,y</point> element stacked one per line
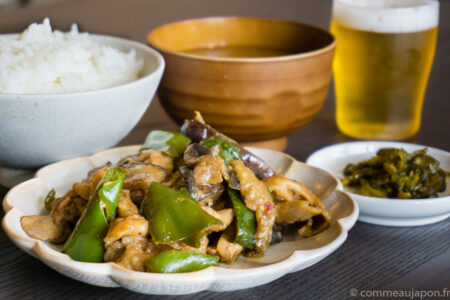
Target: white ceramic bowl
<point>291,255</point>
<point>37,129</point>
<point>384,211</point>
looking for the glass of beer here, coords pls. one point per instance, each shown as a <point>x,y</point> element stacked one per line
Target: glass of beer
<point>383,59</point>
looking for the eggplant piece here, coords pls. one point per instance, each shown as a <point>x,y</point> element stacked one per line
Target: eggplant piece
<point>209,194</point>
<point>277,233</point>
<point>256,164</point>
<point>141,175</point>
<point>189,179</point>
<point>137,196</point>
<point>198,131</point>
<point>233,182</point>
<point>193,152</point>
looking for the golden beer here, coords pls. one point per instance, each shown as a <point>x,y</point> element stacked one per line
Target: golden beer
<point>380,76</point>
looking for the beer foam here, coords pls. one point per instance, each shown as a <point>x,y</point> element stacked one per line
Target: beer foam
<point>387,16</point>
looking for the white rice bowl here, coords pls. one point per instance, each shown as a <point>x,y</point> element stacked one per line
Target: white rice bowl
<point>42,61</point>
<point>38,128</point>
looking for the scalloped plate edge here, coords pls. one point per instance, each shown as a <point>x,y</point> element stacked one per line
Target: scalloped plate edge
<point>213,278</point>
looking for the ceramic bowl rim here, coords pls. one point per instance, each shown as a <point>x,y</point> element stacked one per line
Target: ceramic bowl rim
<point>316,52</point>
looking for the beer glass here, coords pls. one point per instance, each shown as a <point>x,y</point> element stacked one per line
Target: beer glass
<point>383,59</point>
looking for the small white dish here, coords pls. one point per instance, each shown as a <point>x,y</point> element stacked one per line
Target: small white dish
<point>291,255</point>
<point>384,211</point>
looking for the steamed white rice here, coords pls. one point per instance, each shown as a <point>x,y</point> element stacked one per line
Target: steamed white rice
<point>44,61</point>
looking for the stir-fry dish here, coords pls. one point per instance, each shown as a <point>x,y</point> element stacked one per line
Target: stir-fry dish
<point>185,202</point>
<point>395,173</point>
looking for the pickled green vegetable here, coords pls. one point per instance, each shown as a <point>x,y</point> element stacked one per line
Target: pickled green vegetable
<point>395,173</point>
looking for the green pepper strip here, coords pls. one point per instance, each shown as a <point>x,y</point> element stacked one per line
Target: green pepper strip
<point>86,241</point>
<point>49,199</point>
<point>246,222</point>
<point>227,150</point>
<point>170,142</point>
<point>174,261</point>
<point>173,215</point>
<point>195,239</point>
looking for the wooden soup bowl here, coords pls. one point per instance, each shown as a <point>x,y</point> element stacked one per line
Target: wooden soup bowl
<point>251,99</point>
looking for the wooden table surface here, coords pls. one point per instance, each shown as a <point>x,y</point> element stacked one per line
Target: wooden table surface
<point>373,257</point>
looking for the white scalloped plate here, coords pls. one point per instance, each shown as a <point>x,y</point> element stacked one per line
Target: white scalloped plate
<point>291,255</point>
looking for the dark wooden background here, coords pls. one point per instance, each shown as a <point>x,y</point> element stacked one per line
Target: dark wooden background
<point>373,257</point>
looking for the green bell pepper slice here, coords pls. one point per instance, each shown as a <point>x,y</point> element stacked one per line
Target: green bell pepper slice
<point>86,241</point>
<point>175,261</point>
<point>195,239</point>
<point>245,220</point>
<point>49,199</point>
<point>226,150</point>
<point>173,215</point>
<point>170,142</point>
